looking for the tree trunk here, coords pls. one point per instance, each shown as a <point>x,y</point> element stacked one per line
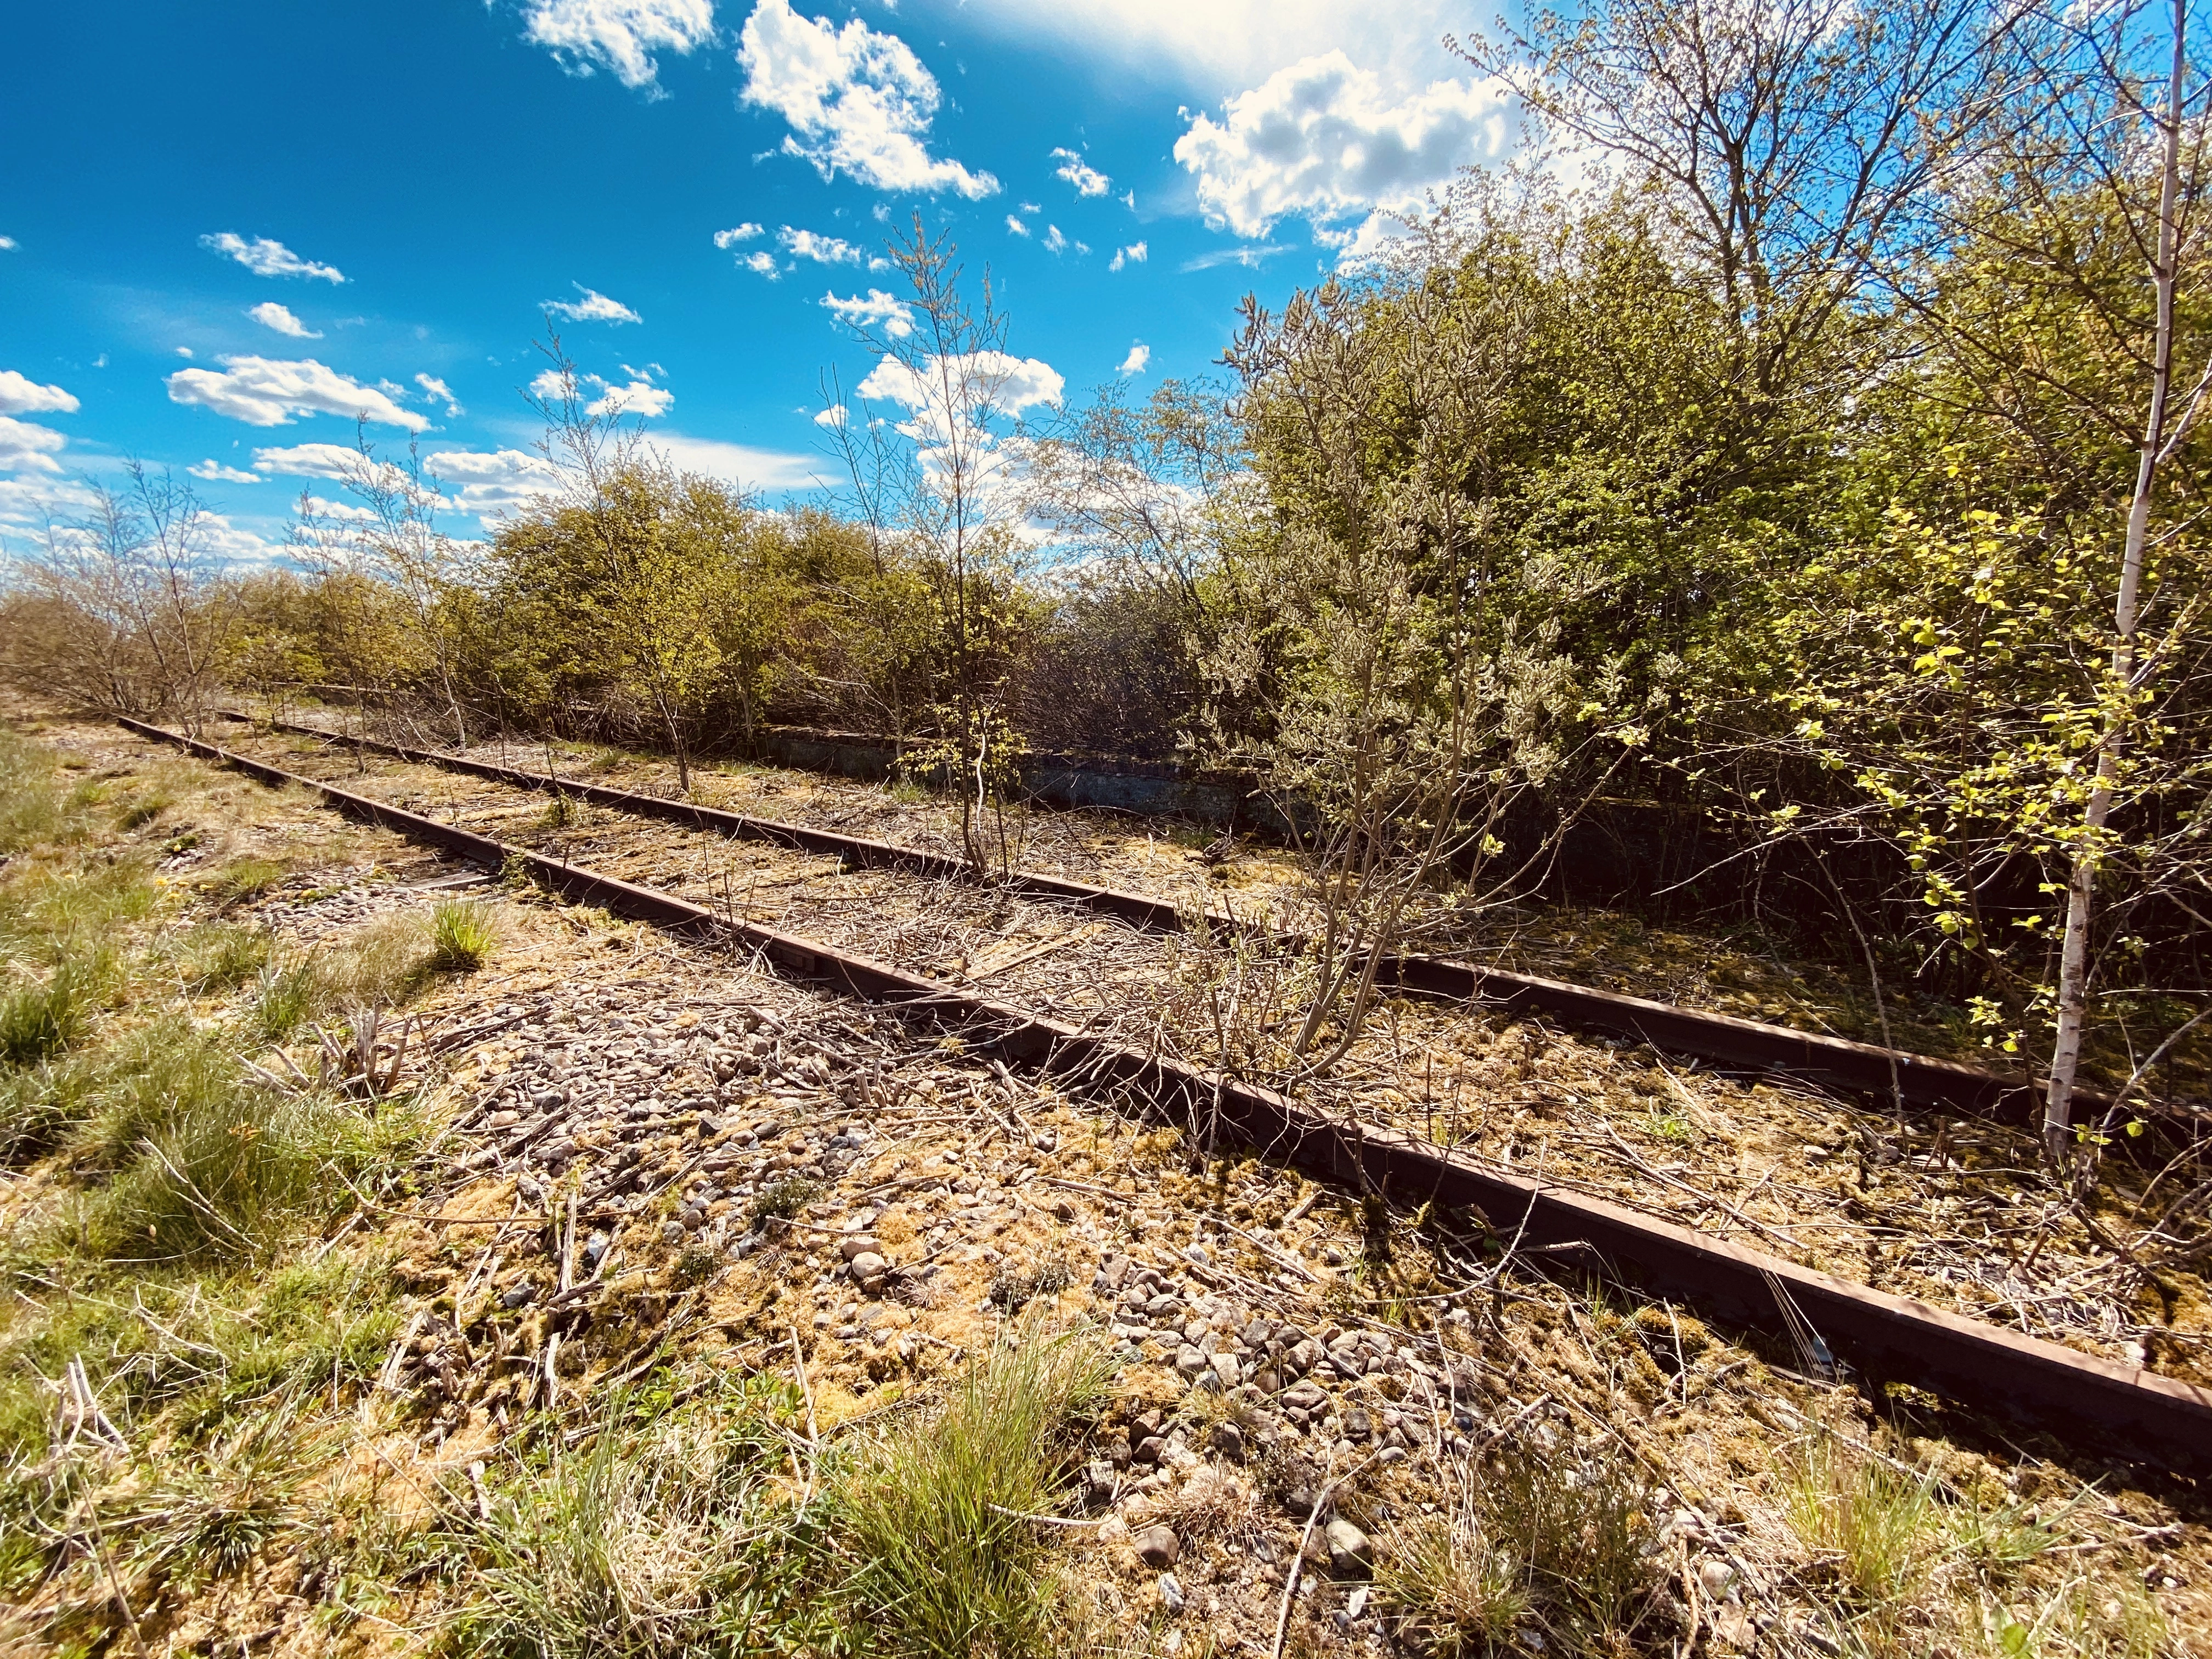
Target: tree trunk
<point>2080,887</point>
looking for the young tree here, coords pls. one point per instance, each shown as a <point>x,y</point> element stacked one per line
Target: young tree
<point>942,484</point>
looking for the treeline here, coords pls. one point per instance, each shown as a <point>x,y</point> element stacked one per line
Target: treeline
<point>1831,466</point>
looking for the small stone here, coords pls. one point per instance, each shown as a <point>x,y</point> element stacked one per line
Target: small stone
<point>1356,1425</point>
<point>671,1233</point>
<point>855,1246</point>
<point>1171,1596</point>
<point>1349,1552</point>
<point>1229,1440</point>
<point>868,1266</point>
<point>1116,1270</point>
<point>546,1099</point>
<point>1390,1455</point>
<point>1158,1547</point>
<point>1113,1530</point>
<point>1713,1577</point>
<point>515,1296</point>
<point>1189,1362</point>
<point>1196,1254</point>
<point>1148,1450</point>
<point>1225,1367</point>
<point>1356,1604</point>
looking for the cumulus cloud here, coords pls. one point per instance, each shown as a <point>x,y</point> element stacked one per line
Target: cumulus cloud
<point>593,307</point>
<point>835,416</point>
<point>736,234</point>
<point>20,395</point>
<point>266,258</point>
<point>983,383</point>
<point>762,264</point>
<point>619,36</point>
<point>879,310</point>
<point>1087,179</point>
<point>1325,139</point>
<point>25,446</point>
<point>823,250</point>
<point>640,397</point>
<point>269,314</point>
<point>270,392</point>
<point>1139,355</point>
<point>216,472</point>
<point>1017,226</point>
<point>490,484</point>
<point>857,101</point>
<point>444,394</point>
<point>1135,254</point>
<point>1054,242</point>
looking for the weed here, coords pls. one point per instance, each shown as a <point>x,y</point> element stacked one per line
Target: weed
<point>1013,1289</point>
<point>905,790</point>
<point>1574,1526</point>
<point>245,881</point>
<point>144,810</point>
<point>781,1201</point>
<point>222,956</point>
<point>1456,1592</point>
<point>287,997</point>
<point>34,807</point>
<point>1879,1530</point>
<point>933,1555</point>
<point>39,1021</point>
<point>563,812</point>
<point>210,1519</point>
<point>381,963</point>
<point>463,935</point>
<point>650,1544</point>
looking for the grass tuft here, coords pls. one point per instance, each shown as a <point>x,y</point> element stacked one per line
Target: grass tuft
<point>463,933</point>
<point>934,1558</point>
<point>39,1021</point>
<point>1457,1593</point>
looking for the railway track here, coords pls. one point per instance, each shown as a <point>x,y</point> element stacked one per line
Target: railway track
<point>1919,1080</point>
<point>2151,1418</point>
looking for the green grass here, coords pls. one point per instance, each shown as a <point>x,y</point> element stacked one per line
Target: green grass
<point>223,956</point>
<point>40,1020</point>
<point>783,1200</point>
<point>1459,1594</point>
<point>463,933</point>
<point>244,880</point>
<point>930,1560</point>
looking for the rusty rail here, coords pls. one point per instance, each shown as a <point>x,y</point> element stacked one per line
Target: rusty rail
<point>1748,1045</point>
<point>2149,1418</point>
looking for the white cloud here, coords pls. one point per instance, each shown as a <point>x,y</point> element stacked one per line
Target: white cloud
<point>858,102</point>
<point>183,351</point>
<point>1017,226</point>
<point>216,472</point>
<point>1135,254</point>
<point>1087,179</point>
<point>309,460</point>
<point>618,35</point>
<point>986,382</point>
<point>879,311</point>
<point>738,464</point>
<point>1054,242</point>
<point>762,264</point>
<point>593,307</point>
<point>823,250</point>
<point>1222,45</point>
<point>8,245</point>
<point>835,416</point>
<point>269,391</point>
<point>1324,139</point>
<point>1139,355</point>
<point>267,258</point>
<point>269,314</point>
<point>490,484</point>
<point>640,397</point>
<point>736,234</point>
<point>229,544</point>
<point>20,395</point>
<point>438,389</point>
<point>1249,257</point>
<point>36,499</point>
<point>25,446</point>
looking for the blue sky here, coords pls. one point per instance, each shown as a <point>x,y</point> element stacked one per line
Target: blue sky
<point>229,227</point>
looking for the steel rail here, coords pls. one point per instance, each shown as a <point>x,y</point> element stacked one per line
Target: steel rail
<point>2142,1416</point>
<point>1920,1080</point>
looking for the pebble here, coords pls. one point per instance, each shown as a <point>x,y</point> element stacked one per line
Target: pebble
<point>1189,1362</point>
<point>1349,1551</point>
<point>1171,1596</point>
<point>868,1266</point>
<point>1158,1547</point>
